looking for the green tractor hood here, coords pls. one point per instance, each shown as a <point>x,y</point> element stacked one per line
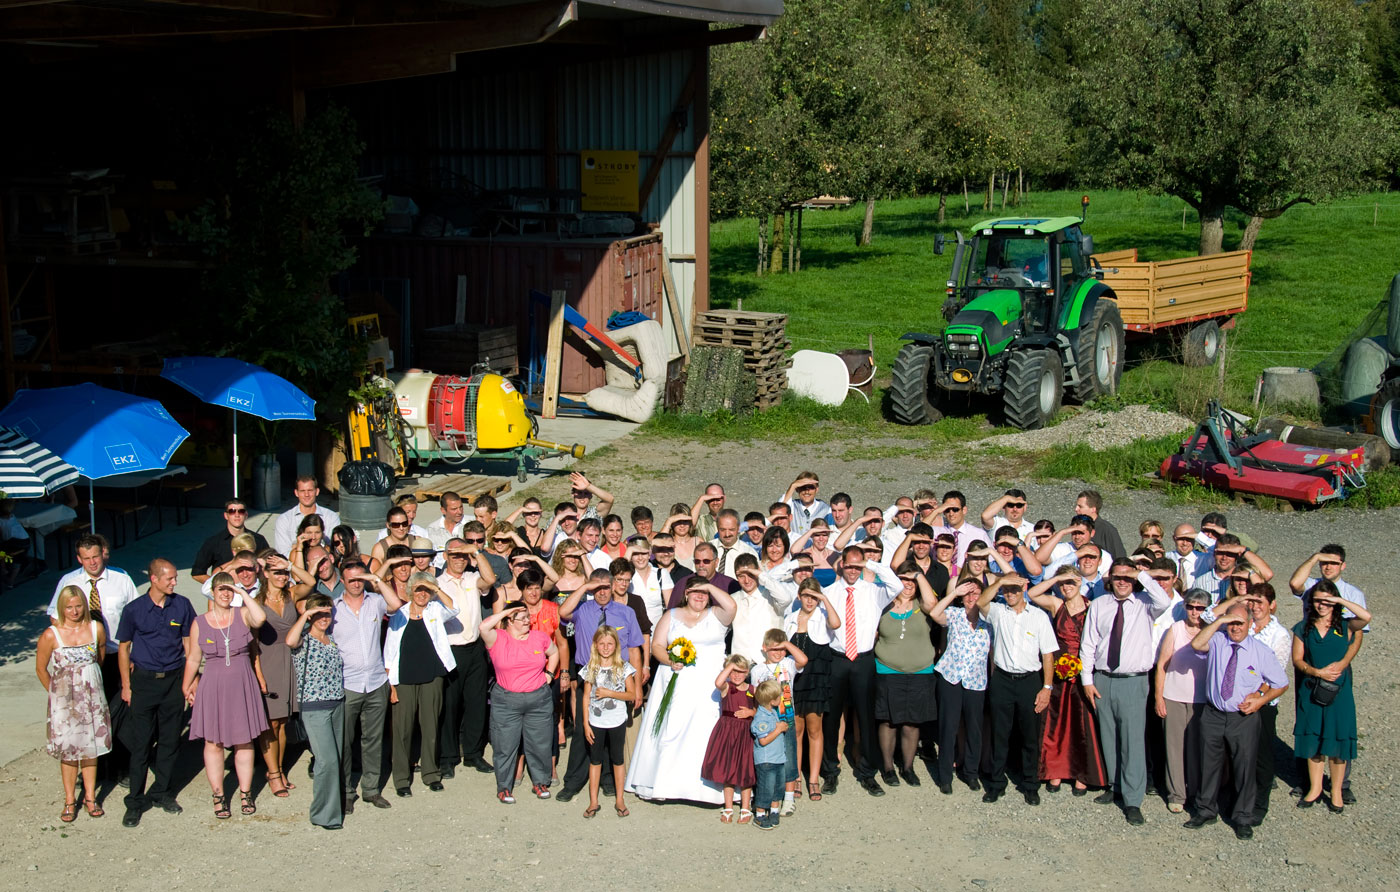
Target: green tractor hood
<point>989,317</point>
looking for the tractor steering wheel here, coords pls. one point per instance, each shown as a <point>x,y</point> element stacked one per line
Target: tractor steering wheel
<point>1013,276</point>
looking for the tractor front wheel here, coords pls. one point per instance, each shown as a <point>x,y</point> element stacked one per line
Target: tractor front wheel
<point>1385,413</point>
<point>1033,389</point>
<point>913,392</point>
<point>1098,354</point>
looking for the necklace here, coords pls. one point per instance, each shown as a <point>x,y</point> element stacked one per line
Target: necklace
<point>224,633</point>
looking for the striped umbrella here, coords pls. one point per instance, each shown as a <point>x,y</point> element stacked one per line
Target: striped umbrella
<point>28,470</point>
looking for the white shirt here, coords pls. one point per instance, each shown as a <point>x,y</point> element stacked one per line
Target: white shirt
<point>464,626</point>
<point>1279,640</point>
<point>780,579</point>
<point>652,591</point>
<point>1023,529</point>
<point>1348,592</point>
<point>599,559</point>
<point>870,598</point>
<point>115,590</point>
<point>1063,554</point>
<point>1175,611</point>
<point>726,558</point>
<point>285,532</point>
<point>754,614</point>
<point>803,515</point>
<point>1019,639</point>
<point>1186,564</point>
<point>438,533</point>
<point>435,617</point>
<point>817,629</point>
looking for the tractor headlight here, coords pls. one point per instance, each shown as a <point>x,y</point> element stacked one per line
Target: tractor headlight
<point>964,345</point>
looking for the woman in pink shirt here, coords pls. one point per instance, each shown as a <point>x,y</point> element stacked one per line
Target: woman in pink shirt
<point>522,703</point>
<point>1181,696</point>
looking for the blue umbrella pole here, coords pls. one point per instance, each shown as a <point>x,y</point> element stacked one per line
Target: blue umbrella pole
<point>92,509</point>
<point>235,453</point>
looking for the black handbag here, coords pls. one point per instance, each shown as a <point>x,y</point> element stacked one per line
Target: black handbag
<point>1324,691</point>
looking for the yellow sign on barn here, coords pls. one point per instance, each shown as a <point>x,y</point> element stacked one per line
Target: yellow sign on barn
<point>609,181</point>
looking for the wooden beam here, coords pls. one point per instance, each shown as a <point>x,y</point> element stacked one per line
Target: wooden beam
<point>341,57</point>
<point>673,128</point>
<point>553,355</point>
<point>311,8</point>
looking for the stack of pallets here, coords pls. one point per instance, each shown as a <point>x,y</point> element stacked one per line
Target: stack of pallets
<point>763,339</point>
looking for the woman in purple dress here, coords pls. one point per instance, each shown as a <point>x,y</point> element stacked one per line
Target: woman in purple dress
<point>228,704</point>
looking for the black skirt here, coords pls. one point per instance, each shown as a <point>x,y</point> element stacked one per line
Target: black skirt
<point>811,690</point>
<point>905,699</point>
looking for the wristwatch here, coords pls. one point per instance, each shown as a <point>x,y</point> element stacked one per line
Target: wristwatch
<point>1048,687</point>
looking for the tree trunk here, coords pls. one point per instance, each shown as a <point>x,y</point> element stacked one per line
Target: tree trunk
<point>1020,187</point>
<point>989,200</point>
<point>762,242</point>
<point>792,239</point>
<point>1251,233</point>
<point>797,240</point>
<point>776,265</point>
<point>967,207</point>
<point>942,206</point>
<point>867,229</point>
<point>1212,227</point>
<point>1005,185</point>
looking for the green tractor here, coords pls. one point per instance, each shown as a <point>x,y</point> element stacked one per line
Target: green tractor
<point>1029,318</point>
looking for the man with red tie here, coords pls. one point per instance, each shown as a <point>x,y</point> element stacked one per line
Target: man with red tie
<point>862,590</point>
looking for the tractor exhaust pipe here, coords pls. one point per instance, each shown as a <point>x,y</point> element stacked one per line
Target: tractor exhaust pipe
<point>575,450</point>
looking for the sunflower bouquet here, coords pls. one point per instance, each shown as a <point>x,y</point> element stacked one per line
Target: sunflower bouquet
<point>681,651</point>
<point>1067,667</point>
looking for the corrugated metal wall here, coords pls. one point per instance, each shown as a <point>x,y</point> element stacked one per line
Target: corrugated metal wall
<point>493,129</point>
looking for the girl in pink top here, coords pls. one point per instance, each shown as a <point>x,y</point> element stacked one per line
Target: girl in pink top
<point>1181,696</point>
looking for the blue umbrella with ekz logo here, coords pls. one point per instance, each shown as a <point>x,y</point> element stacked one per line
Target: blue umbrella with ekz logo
<point>243,387</point>
<point>100,432</point>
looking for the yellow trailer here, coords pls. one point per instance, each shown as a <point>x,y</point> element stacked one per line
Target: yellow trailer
<point>1196,297</point>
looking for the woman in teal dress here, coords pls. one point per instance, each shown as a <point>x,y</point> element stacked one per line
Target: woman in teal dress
<point>1324,644</point>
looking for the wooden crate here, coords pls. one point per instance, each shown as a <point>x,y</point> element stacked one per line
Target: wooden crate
<point>468,486</point>
<point>456,349</point>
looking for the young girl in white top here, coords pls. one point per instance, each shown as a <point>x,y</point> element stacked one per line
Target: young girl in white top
<point>609,685</point>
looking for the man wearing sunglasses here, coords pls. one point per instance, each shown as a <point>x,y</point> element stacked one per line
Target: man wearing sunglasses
<point>409,503</point>
<point>1117,654</point>
<point>215,550</point>
<point>1008,511</point>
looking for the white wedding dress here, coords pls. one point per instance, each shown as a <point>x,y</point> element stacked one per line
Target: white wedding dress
<point>667,765</point>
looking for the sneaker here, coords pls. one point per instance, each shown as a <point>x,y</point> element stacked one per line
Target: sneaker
<point>773,819</point>
<point>540,791</point>
<point>505,797</point>
<point>761,822</point>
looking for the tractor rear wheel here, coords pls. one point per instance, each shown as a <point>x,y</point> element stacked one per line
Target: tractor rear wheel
<point>1033,388</point>
<point>913,392</point>
<point>1201,346</point>
<point>1385,413</point>
<point>1098,354</point>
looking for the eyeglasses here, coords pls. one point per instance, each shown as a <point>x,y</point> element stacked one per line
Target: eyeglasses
<point>699,562</point>
<point>476,541</point>
<point>1196,607</point>
<point>236,511</point>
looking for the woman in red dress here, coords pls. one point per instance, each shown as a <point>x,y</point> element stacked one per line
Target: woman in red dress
<point>1069,747</point>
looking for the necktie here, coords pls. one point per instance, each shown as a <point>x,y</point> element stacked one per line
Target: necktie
<point>850,623</point>
<point>723,557</point>
<point>1227,684</point>
<point>94,599</point>
<point>1115,638</point>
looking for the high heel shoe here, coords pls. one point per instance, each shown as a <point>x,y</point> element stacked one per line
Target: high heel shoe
<point>1334,809</point>
<point>1304,802</point>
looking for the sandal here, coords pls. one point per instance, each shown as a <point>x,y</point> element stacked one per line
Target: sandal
<point>591,811</point>
<point>745,816</point>
<point>70,812</point>
<point>726,816</point>
<point>93,809</point>
<point>221,806</point>
<point>282,793</point>
<point>248,807</point>
<point>621,810</point>
<point>814,792</point>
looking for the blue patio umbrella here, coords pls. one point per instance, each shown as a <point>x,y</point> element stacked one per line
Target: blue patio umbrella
<point>100,432</point>
<point>243,387</point>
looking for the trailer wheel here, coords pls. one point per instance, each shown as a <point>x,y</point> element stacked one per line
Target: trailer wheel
<point>1098,353</point>
<point>913,393</point>
<point>1033,388</point>
<point>1385,413</point>
<point>1201,346</point>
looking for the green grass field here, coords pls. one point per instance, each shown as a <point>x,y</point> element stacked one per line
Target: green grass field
<point>1316,272</point>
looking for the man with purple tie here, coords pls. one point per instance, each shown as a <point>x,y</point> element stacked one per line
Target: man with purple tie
<point>1242,675</point>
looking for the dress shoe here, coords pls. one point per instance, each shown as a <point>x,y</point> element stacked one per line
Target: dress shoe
<point>349,806</point>
<point>991,796</point>
<point>565,795</point>
<point>1304,802</point>
<point>972,782</point>
<point>870,786</point>
<point>1105,798</point>
<point>448,772</point>
<point>132,818</point>
<point>405,793</point>
<point>945,789</point>
<point>169,805</point>
<point>436,786</point>
<point>1134,816</point>
<point>910,777</point>
<point>829,785</point>
<point>480,764</point>
<point>378,801</point>
<point>890,778</point>
<point>1032,796</point>
<point>1347,797</point>
<point>1244,831</point>
<point>1334,809</point>
<point>1197,822</point>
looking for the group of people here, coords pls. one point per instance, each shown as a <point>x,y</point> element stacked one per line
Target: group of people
<point>714,657</point>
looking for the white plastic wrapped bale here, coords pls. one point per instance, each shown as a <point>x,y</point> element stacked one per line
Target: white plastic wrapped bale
<point>623,396</point>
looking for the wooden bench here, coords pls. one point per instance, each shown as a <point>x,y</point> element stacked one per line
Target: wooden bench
<point>119,512</point>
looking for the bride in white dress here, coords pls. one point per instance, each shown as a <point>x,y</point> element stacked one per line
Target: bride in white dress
<point>667,765</point>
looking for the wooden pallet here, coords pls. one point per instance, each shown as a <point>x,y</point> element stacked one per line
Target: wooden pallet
<point>745,338</point>
<point>468,486</point>
<point>741,319</point>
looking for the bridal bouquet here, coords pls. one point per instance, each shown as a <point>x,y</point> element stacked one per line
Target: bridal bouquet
<point>682,651</point>
<point>1067,667</point>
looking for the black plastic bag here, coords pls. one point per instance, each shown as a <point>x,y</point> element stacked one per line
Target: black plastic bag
<point>367,478</point>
